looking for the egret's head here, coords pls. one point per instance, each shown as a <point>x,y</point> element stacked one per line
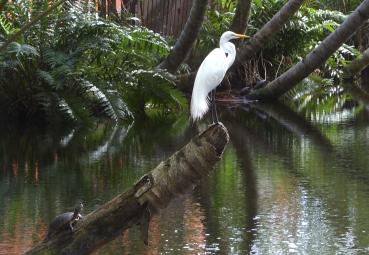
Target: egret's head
<point>229,35</point>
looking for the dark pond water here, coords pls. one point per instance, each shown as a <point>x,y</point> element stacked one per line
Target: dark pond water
<point>287,183</point>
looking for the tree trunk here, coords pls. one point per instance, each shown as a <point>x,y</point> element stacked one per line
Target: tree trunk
<point>316,58</point>
<point>102,8</point>
<point>187,37</point>
<point>357,65</point>
<point>350,70</point>
<point>241,17</point>
<point>112,8</point>
<point>151,193</point>
<point>357,93</point>
<point>361,42</point>
<point>257,42</point>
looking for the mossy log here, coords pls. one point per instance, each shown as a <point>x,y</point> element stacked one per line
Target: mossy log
<point>151,193</point>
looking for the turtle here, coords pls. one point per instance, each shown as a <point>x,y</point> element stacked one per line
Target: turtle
<point>64,221</point>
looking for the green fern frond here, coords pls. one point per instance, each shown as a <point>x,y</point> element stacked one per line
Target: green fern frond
<point>55,58</point>
<point>45,76</point>
<point>6,26</point>
<point>20,50</point>
<point>152,90</point>
<point>55,107</point>
<point>96,99</point>
<point>120,107</point>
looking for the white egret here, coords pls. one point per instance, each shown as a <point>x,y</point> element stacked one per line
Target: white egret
<point>211,73</point>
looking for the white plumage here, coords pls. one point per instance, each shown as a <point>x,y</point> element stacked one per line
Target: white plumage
<point>211,73</point>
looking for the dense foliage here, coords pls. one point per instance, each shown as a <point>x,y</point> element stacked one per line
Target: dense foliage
<point>73,65</point>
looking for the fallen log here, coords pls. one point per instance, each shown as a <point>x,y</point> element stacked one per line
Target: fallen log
<point>151,193</point>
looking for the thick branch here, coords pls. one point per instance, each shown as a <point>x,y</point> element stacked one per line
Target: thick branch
<point>357,93</point>
<point>187,38</point>
<point>315,58</point>
<point>357,65</point>
<point>241,16</point>
<point>153,192</point>
<point>257,42</point>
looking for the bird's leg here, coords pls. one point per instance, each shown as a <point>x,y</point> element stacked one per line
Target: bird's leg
<point>71,225</point>
<point>212,106</point>
<point>215,107</point>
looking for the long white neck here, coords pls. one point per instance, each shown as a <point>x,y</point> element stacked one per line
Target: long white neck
<point>230,49</point>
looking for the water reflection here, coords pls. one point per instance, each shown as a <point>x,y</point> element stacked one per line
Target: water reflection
<point>287,183</point>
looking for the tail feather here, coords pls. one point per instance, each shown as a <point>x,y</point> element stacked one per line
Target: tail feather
<point>199,104</point>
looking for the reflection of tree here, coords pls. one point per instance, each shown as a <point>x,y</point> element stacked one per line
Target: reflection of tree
<point>312,178</point>
<point>294,123</point>
<point>41,178</point>
<point>247,170</point>
<point>194,229</point>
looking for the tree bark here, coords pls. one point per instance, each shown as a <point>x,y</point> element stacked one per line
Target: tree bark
<point>257,42</point>
<point>187,38</point>
<point>356,66</point>
<point>241,17</point>
<point>316,58</point>
<point>357,93</point>
<point>112,8</point>
<point>364,44</point>
<point>151,193</point>
<point>102,8</point>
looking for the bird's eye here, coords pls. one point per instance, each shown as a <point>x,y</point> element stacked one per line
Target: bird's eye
<point>226,54</point>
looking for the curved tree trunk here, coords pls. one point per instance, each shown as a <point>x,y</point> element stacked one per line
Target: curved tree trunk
<point>241,17</point>
<point>357,93</point>
<point>357,65</point>
<point>257,42</point>
<point>316,58</point>
<point>187,37</point>
<point>151,193</point>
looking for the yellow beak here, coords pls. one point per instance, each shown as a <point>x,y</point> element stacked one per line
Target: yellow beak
<point>242,36</point>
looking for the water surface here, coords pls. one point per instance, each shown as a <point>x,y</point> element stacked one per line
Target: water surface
<point>287,183</point>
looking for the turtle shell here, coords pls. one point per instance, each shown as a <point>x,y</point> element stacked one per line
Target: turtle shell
<point>61,222</point>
